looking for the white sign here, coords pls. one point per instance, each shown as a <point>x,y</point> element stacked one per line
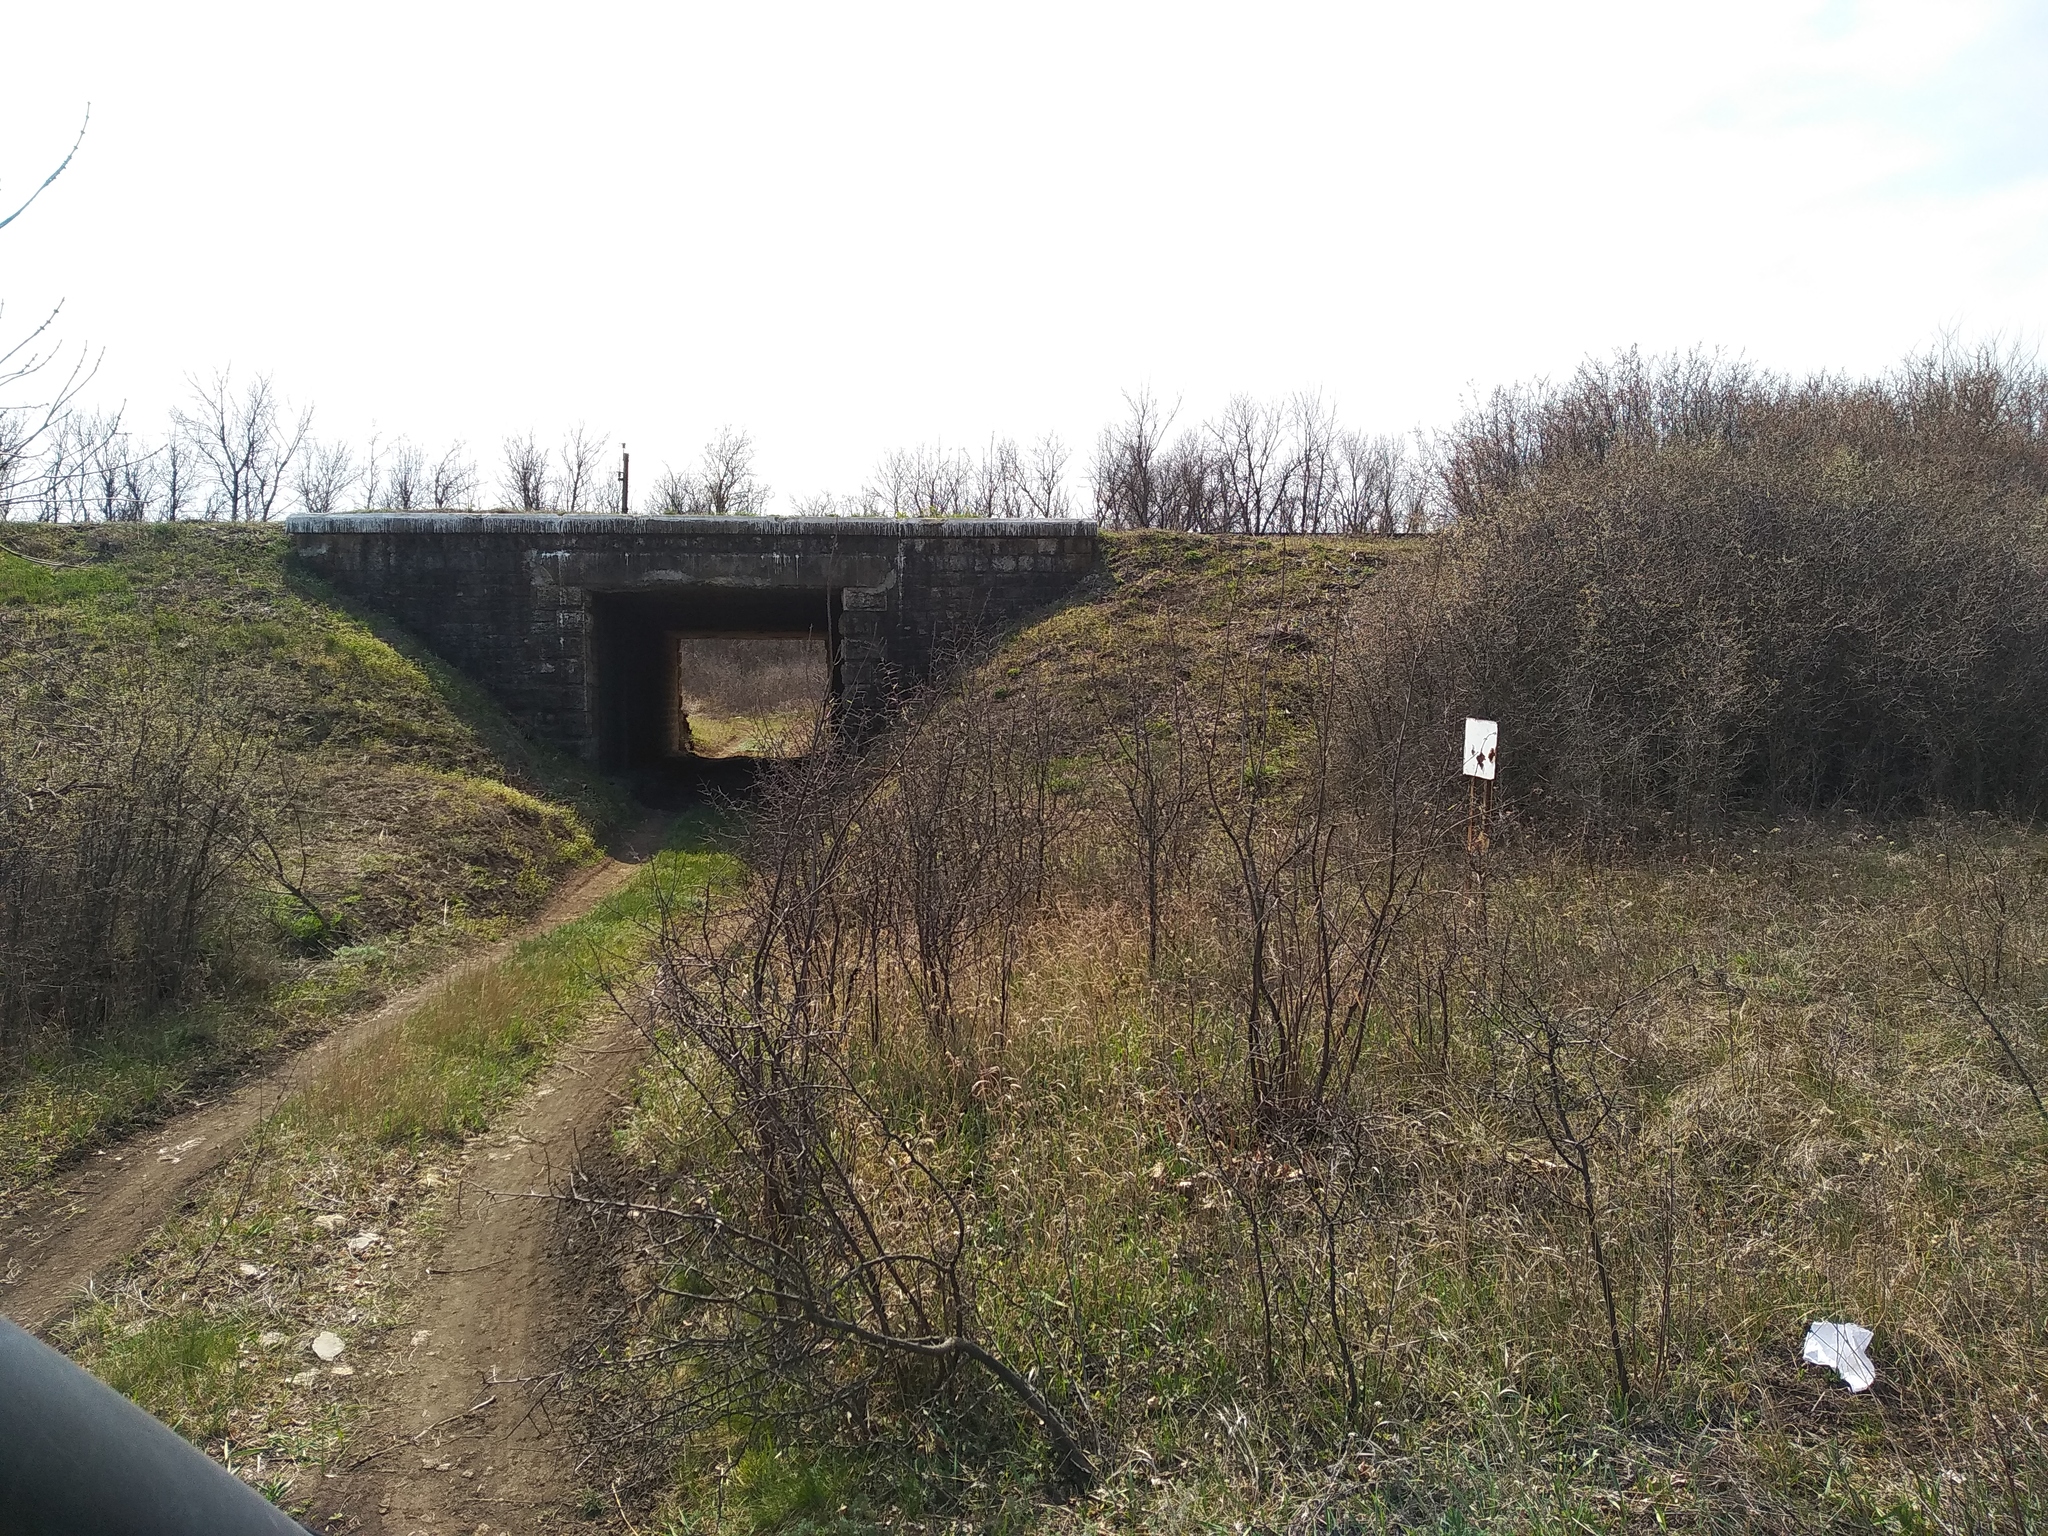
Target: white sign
<point>1482,747</point>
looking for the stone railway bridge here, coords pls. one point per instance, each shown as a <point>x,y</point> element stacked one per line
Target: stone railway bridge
<point>568,621</point>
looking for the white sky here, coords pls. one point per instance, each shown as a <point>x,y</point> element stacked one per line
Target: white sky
<point>852,228</point>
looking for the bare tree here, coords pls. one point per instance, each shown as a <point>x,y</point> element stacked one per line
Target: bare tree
<point>453,481</point>
<point>171,471</point>
<point>1011,483</point>
<point>111,470</point>
<point>247,442</point>
<point>1044,481</point>
<point>527,481</point>
<point>1255,471</point>
<point>723,484</point>
<point>726,479</point>
<point>1188,492</point>
<point>1377,491</point>
<point>1126,470</point>
<point>999,481</point>
<point>583,480</point>
<point>1313,481</point>
<point>405,482</point>
<point>25,424</point>
<point>82,463</point>
<point>373,471</point>
<point>326,474</point>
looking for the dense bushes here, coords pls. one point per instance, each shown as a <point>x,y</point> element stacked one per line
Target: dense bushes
<point>1684,585</point>
<point>125,817</point>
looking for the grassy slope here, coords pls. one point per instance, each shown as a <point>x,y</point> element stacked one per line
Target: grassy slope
<point>1810,1128</point>
<point>410,809</point>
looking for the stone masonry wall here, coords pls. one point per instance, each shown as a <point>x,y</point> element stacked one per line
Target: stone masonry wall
<point>509,598</point>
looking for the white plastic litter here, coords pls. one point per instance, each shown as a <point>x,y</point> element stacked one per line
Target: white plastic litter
<point>363,1242</point>
<point>328,1346</point>
<point>1843,1348</point>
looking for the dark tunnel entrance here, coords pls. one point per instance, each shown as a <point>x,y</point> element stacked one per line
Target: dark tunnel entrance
<point>701,674</point>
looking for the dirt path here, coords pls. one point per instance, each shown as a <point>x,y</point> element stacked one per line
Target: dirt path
<point>101,1210</point>
<point>460,1439</point>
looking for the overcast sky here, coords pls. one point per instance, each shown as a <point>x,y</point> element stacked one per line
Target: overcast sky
<point>849,228</point>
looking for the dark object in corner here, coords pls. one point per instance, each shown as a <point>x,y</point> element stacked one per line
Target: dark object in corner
<point>77,1457</point>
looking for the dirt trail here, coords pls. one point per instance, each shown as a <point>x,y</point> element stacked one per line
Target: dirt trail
<point>101,1210</point>
<point>460,1439</point>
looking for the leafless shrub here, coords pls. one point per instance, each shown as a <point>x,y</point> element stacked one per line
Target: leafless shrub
<point>526,481</point>
<point>722,485</point>
<point>452,482</point>
<point>583,484</point>
<point>962,840</point>
<point>1984,947</point>
<point>816,1253</point>
<point>125,816</point>
<point>1748,591</point>
<point>326,474</point>
<point>247,442</point>
<point>406,488</point>
<point>1565,1079</point>
<point>1322,883</point>
<point>1156,781</point>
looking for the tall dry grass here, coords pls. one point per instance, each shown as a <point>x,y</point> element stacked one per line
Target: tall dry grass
<point>1614,1123</point>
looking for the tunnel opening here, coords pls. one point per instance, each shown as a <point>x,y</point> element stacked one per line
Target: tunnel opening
<point>696,681</point>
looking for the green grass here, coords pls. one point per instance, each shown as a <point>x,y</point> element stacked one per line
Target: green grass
<point>444,1070</point>
<point>60,1107</point>
<point>25,583</point>
<point>404,801</point>
<point>185,1367</point>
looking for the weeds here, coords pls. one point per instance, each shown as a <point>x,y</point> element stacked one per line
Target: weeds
<point>1542,1258</point>
<point>441,1072</point>
<point>229,808</point>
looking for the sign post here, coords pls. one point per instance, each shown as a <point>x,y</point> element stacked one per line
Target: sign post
<point>1482,758</point>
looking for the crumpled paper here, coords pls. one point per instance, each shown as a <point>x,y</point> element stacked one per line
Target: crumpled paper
<point>1844,1349</point>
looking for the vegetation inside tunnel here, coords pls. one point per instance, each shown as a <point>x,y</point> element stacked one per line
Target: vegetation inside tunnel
<point>741,694</point>
<point>708,673</point>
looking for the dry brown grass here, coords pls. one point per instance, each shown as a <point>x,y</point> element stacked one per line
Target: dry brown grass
<point>1389,1316</point>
